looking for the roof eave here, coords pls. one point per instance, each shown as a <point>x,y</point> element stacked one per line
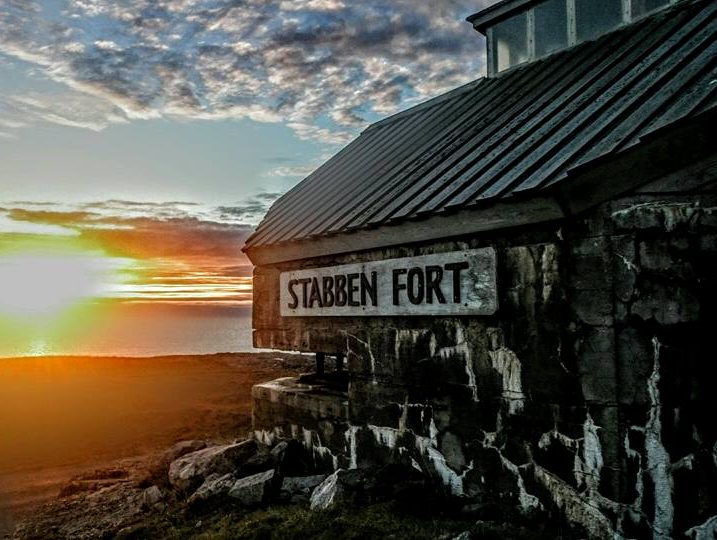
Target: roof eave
<point>497,216</point>
<point>497,12</point>
<point>661,152</point>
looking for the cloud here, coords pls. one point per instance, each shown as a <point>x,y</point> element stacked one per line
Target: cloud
<point>50,217</point>
<point>268,196</point>
<point>147,230</point>
<point>251,210</point>
<point>181,251</point>
<point>298,171</point>
<point>12,226</point>
<point>326,68</point>
<point>119,203</point>
<point>175,229</point>
<point>66,108</point>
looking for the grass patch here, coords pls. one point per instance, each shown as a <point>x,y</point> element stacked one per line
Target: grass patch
<point>382,521</point>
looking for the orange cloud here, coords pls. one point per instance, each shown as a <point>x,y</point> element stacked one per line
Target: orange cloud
<point>181,252</point>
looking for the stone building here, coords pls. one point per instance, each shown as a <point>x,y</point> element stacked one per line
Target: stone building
<point>520,276</point>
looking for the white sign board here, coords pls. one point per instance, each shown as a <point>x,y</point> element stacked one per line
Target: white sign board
<point>454,283</point>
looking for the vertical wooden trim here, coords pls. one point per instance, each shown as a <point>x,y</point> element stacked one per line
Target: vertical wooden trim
<point>491,64</point>
<point>572,28</point>
<point>531,34</point>
<point>626,11</point>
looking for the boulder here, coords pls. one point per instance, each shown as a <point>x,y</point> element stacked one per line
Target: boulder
<point>365,486</point>
<point>159,468</point>
<point>261,461</point>
<point>299,488</point>
<point>187,473</point>
<point>152,496</point>
<point>215,486</point>
<point>249,491</point>
<point>292,459</point>
<point>277,453</point>
<point>183,448</point>
<point>301,484</point>
<point>253,490</point>
<point>329,493</point>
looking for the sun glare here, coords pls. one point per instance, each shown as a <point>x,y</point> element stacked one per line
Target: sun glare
<point>45,284</point>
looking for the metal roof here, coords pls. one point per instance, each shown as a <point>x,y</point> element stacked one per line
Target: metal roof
<point>515,135</point>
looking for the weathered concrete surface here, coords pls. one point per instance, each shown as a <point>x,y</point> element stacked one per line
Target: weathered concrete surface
<point>314,414</point>
<point>588,395</point>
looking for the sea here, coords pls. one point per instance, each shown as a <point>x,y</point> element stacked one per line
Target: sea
<point>141,331</point>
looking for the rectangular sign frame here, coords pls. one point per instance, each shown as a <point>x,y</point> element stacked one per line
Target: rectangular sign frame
<point>455,283</point>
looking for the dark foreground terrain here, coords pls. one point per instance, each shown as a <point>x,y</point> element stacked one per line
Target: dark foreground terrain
<point>154,448</point>
<point>156,498</point>
<point>62,417</point>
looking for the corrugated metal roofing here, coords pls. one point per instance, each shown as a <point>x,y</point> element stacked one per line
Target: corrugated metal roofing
<point>513,135</point>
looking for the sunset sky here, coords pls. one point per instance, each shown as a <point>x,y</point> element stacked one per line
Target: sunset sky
<point>142,140</point>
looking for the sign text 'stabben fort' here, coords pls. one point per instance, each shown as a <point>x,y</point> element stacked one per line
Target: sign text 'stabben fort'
<point>454,283</point>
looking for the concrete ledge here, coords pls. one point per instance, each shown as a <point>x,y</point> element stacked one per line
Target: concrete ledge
<point>314,414</point>
<point>314,400</point>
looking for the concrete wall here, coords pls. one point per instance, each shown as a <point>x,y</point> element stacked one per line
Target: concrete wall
<point>588,395</point>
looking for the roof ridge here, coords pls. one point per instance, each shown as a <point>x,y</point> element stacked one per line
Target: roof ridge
<point>376,169</point>
<point>467,87</point>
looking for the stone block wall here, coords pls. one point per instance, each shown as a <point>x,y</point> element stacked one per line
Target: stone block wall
<point>587,396</point>
<point>313,414</point>
<point>646,363</point>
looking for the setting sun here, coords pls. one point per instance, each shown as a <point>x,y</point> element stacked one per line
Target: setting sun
<point>49,283</point>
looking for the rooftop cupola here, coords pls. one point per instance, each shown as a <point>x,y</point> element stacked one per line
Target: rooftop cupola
<point>521,31</point>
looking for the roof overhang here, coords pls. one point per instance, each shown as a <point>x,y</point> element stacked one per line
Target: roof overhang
<point>497,12</point>
<point>663,151</point>
<point>464,222</point>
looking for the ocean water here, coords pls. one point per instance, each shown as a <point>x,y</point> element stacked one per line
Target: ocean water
<point>141,330</point>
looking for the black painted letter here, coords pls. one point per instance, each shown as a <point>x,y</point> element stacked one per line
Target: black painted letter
<point>328,282</point>
<point>304,289</point>
<point>294,299</point>
<point>416,285</point>
<point>434,275</point>
<point>340,281</point>
<point>397,287</point>
<point>353,288</point>
<point>456,268</point>
<point>369,288</point>
<point>315,296</point>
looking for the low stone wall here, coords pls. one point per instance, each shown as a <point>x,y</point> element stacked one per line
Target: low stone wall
<point>316,415</point>
<point>587,396</point>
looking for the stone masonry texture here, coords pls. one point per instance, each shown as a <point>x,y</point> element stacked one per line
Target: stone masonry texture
<point>588,396</point>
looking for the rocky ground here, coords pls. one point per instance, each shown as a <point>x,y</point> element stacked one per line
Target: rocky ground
<point>246,489</point>
<point>208,485</point>
<point>66,417</point>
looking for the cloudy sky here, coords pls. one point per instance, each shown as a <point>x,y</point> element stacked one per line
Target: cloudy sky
<point>159,131</point>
